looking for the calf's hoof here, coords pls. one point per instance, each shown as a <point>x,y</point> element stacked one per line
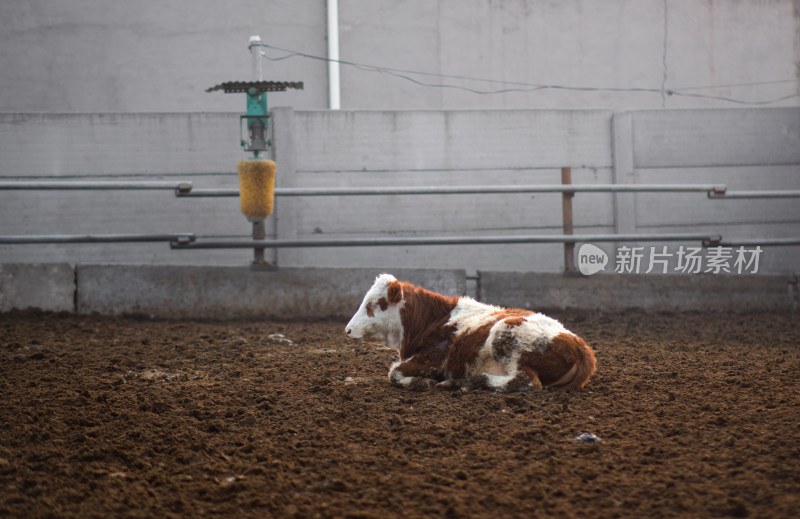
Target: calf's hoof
<point>476,382</point>
<point>449,385</point>
<point>521,382</point>
<point>421,384</point>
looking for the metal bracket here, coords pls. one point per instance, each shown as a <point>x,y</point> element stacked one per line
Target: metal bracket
<point>183,189</point>
<point>258,120</point>
<point>256,139</point>
<point>233,87</point>
<point>717,192</point>
<point>183,240</point>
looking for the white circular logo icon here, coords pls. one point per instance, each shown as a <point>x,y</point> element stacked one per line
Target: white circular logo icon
<point>591,259</point>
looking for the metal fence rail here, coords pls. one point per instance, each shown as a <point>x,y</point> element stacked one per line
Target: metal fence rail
<point>441,240</point>
<point>467,190</point>
<point>789,193</point>
<point>182,241</point>
<point>96,238</point>
<point>77,185</point>
<point>750,242</point>
<point>184,188</point>
<point>186,241</point>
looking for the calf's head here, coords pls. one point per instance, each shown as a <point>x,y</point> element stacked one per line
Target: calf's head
<point>378,317</point>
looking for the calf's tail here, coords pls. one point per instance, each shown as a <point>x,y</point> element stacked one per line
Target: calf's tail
<point>584,364</point>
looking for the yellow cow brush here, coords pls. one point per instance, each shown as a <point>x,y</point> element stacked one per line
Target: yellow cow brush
<point>256,188</point>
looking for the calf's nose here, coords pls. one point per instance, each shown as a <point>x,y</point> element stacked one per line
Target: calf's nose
<point>348,331</point>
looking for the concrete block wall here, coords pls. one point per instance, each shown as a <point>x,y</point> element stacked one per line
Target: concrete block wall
<point>743,148</point>
<point>704,292</point>
<point>49,287</point>
<point>313,293</point>
<point>237,292</point>
<point>202,148</point>
<point>418,148</point>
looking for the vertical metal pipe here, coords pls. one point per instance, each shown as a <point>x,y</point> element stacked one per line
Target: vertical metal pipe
<point>566,203</point>
<point>259,233</point>
<point>255,56</point>
<point>259,226</point>
<point>334,88</point>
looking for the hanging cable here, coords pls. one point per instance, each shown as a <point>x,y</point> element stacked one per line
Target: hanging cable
<point>522,87</point>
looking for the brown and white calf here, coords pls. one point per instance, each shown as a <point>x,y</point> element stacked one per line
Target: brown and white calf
<point>456,342</point>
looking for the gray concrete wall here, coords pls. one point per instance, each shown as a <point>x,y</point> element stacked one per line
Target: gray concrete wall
<point>151,56</point>
<point>202,148</point>
<point>622,44</point>
<point>238,292</point>
<point>446,148</point>
<point>312,293</point>
<point>658,293</point>
<point>743,148</point>
<point>46,286</point>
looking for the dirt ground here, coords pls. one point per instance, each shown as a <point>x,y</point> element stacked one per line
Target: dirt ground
<point>698,416</point>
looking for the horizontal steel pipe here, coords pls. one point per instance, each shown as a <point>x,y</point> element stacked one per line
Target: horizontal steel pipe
<point>789,193</point>
<point>752,242</point>
<point>32,185</point>
<point>211,192</point>
<point>467,190</point>
<point>96,238</point>
<point>440,240</point>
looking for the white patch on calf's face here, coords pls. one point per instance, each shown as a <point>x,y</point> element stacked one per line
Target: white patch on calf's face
<point>376,318</point>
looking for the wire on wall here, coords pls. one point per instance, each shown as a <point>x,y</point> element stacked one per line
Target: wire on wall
<point>522,87</point>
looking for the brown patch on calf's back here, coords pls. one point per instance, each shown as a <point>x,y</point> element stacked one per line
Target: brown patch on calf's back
<point>512,313</point>
<point>514,321</point>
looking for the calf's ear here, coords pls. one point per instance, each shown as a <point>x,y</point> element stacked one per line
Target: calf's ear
<point>395,292</point>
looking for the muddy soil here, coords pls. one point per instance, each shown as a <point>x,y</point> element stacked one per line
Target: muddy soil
<point>698,416</point>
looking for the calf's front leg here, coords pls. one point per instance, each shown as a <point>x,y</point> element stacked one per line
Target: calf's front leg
<point>417,373</point>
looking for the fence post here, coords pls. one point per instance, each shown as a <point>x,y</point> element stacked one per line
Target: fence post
<point>284,219</point>
<point>566,205</point>
<point>623,173</point>
<point>624,203</point>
